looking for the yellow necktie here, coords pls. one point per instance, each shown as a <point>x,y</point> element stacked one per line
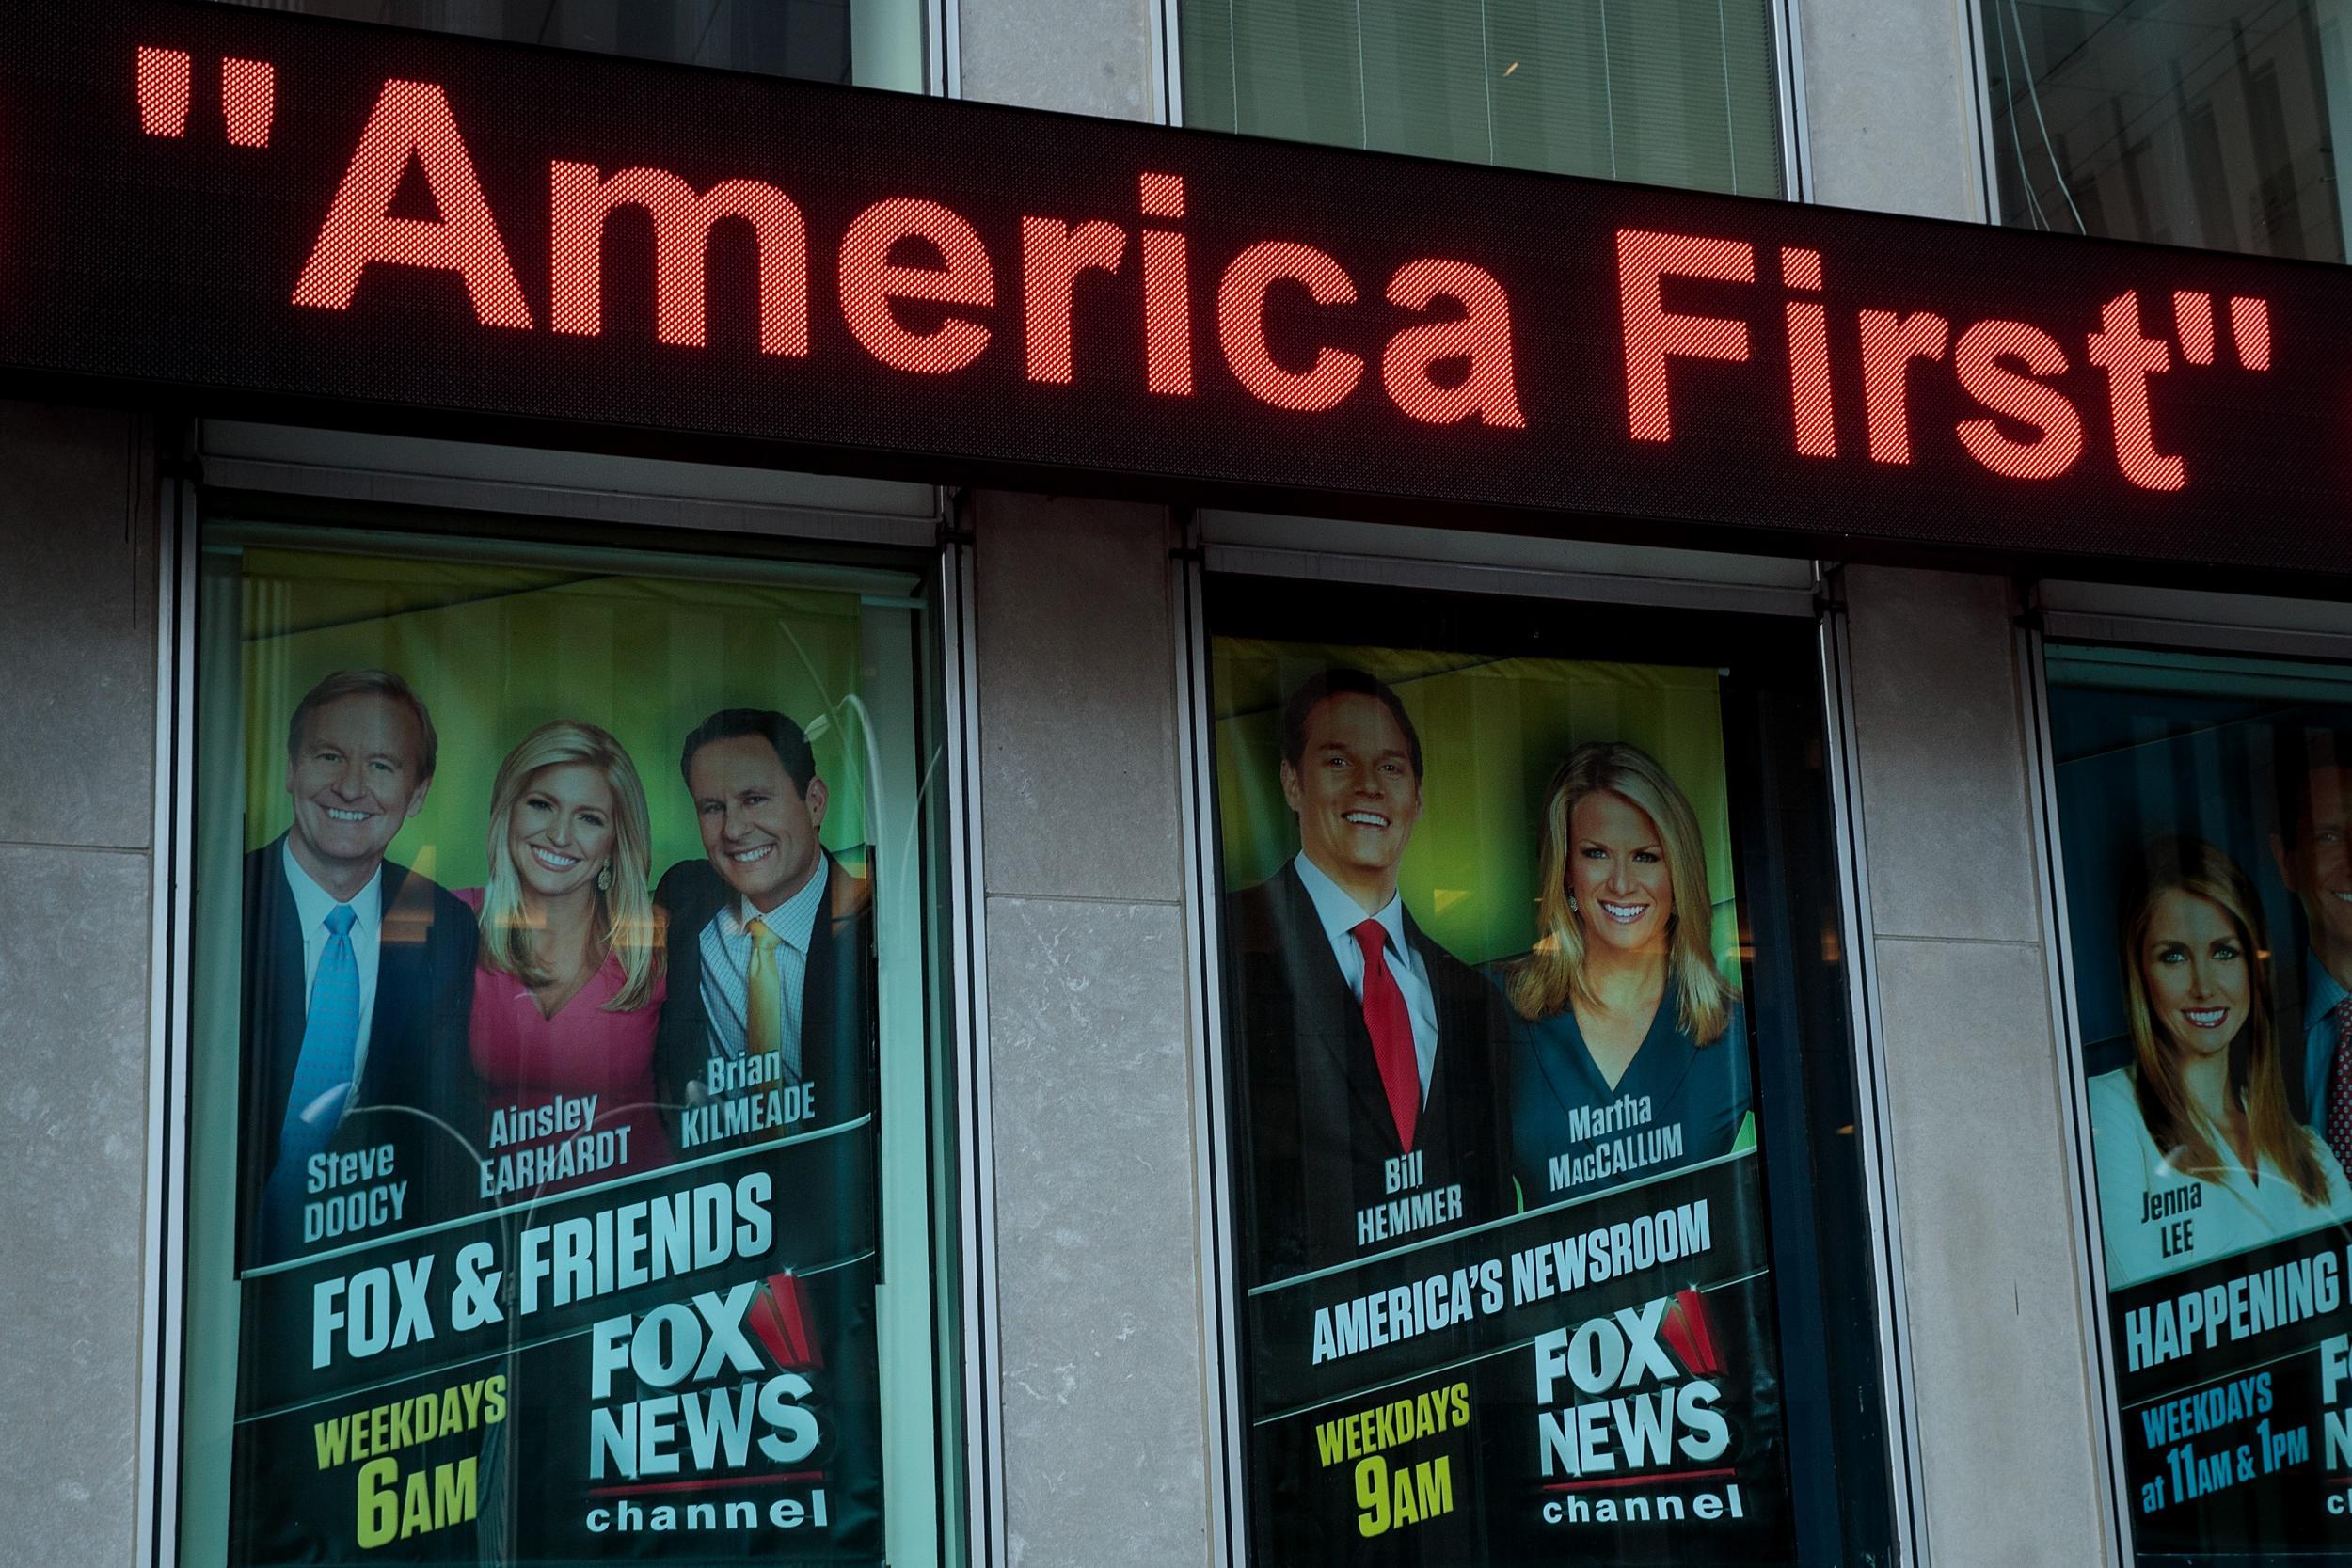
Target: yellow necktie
<point>764,1000</point>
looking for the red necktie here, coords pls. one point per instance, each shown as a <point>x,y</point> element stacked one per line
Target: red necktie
<point>2340,1087</point>
<point>1391,1029</point>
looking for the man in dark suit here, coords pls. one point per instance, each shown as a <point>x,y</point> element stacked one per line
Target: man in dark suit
<point>358,983</point>
<point>768,1033</point>
<point>1371,1107</point>
<point>1370,1111</point>
<point>768,1023</point>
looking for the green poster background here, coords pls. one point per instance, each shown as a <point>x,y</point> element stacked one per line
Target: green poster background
<point>493,650</point>
<point>1492,731</point>
<point>496,651</point>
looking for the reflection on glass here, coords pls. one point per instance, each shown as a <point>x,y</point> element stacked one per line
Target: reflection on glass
<point>2199,122</point>
<point>1668,92</point>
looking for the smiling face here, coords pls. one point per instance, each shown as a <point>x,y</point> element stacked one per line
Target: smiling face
<point>1354,794</point>
<point>560,833</point>
<point>1619,874</point>
<point>759,831</point>
<point>2318,866</point>
<point>2199,980</point>
<point>355,780</point>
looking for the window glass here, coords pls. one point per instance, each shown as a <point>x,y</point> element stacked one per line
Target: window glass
<point>567,1059</point>
<point>874,43</point>
<point>1540,1097</point>
<point>1672,92</point>
<point>2199,122</point>
<point>2204,807</point>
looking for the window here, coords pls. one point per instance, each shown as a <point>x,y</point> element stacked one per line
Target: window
<point>1540,1098</point>
<point>570,1066</point>
<point>1668,92</point>
<point>874,43</point>
<point>2203,806</point>
<point>2199,122</point>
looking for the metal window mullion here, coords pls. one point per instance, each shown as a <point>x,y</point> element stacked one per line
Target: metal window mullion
<point>1874,1115</point>
<point>1795,144</point>
<point>1220,1295</point>
<point>163,1304</point>
<point>2041,771</point>
<point>982,1403</point>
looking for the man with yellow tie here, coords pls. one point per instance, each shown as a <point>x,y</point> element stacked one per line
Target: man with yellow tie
<point>771,946</point>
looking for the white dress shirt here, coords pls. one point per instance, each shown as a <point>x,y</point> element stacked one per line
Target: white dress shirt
<point>1340,914</point>
<point>312,904</point>
<point>727,954</point>
<point>2227,1211</point>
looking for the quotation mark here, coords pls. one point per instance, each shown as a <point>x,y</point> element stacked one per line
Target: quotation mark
<point>248,96</point>
<point>2249,328</point>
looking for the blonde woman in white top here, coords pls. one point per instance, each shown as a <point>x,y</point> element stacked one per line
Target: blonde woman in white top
<point>2197,1152</point>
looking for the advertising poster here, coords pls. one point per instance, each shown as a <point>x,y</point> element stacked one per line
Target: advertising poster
<point>2203,812</point>
<point>556,1167</point>
<point>1499,1208</point>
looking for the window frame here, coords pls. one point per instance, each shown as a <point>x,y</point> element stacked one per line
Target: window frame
<point>2169,619</point>
<point>1167,82</point>
<point>353,467</point>
<point>1325,552</point>
<point>1979,83</point>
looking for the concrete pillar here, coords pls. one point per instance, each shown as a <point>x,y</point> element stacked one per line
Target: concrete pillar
<point>77,793</point>
<point>1891,96</point>
<point>1098,1281</point>
<point>1080,56</point>
<point>2010,1431</point>
<point>1993,1256</point>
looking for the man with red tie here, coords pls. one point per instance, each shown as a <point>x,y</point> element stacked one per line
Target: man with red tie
<point>1370,1107</point>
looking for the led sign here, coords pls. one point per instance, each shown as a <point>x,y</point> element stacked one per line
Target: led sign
<point>239,206</point>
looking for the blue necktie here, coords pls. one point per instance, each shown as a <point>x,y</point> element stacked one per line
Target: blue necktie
<point>322,1077</point>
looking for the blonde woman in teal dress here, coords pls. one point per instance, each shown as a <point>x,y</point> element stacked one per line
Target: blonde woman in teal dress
<point>1627,1047</point>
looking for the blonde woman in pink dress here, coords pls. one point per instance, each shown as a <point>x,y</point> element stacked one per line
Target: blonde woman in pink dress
<point>568,978</point>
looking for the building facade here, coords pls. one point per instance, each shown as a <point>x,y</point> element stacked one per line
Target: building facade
<point>1919,761</point>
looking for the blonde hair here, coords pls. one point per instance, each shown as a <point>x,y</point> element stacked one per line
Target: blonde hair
<point>2256,1080</point>
<point>627,910</point>
<point>1552,975</point>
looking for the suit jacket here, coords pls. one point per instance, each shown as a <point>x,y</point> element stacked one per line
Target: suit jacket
<point>417,1046</point>
<point>1315,1124</point>
<point>836,991</point>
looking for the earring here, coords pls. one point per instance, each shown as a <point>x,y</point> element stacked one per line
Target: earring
<point>1572,908</point>
<point>604,879</point>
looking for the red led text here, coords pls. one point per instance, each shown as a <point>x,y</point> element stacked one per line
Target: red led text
<point>1448,355</point>
<point>920,290</point>
<point>2031,426</point>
